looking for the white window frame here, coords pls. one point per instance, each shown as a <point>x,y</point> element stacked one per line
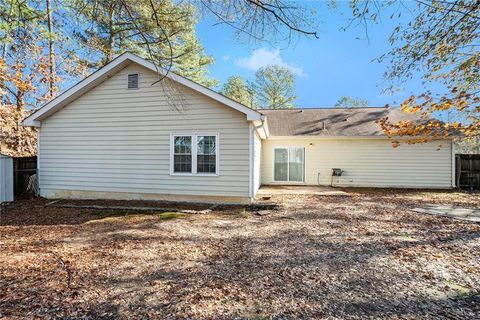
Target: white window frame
<point>288,165</point>
<point>194,153</point>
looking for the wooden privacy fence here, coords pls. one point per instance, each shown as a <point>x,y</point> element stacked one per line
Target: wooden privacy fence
<point>468,171</point>
<point>23,169</point>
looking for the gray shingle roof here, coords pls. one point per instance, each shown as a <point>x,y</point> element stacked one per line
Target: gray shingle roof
<point>331,121</point>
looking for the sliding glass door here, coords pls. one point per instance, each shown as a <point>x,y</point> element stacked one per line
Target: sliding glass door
<point>289,164</point>
<point>280,170</point>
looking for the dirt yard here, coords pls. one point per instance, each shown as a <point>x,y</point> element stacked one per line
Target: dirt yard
<point>364,255</point>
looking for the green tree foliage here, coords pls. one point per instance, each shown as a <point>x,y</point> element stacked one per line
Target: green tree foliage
<point>350,102</point>
<point>40,47</point>
<point>236,88</point>
<point>44,43</point>
<point>160,30</point>
<point>274,87</point>
<point>27,57</point>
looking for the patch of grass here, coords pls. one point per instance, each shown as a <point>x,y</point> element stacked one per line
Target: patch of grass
<point>104,216</point>
<point>462,292</point>
<point>171,215</point>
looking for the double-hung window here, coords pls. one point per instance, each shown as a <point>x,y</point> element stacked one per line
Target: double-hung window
<point>182,154</point>
<point>194,154</point>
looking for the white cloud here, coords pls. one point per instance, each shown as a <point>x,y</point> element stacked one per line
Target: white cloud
<point>225,58</point>
<point>263,57</point>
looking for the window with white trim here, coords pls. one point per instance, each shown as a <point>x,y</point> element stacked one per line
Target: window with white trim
<point>206,154</point>
<point>194,154</point>
<point>182,154</point>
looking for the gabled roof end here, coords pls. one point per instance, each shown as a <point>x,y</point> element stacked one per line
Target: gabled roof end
<point>115,65</point>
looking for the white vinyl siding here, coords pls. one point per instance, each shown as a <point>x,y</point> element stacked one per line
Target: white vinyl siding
<point>368,162</point>
<point>113,139</point>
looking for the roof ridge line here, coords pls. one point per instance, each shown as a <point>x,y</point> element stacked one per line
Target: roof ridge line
<point>324,108</point>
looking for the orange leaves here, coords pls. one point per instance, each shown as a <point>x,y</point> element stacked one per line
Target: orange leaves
<point>457,104</point>
<point>427,131</point>
<point>408,106</point>
<point>15,77</point>
<point>18,141</point>
<point>25,78</point>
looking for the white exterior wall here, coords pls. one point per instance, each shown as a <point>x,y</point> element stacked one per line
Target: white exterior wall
<point>114,142</point>
<point>257,162</point>
<point>6,179</point>
<point>368,162</point>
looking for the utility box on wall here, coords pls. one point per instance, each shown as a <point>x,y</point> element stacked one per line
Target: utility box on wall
<point>6,179</point>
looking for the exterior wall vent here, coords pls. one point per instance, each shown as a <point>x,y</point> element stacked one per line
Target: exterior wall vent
<point>133,81</point>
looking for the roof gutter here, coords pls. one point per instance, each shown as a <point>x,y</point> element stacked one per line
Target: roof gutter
<point>264,126</point>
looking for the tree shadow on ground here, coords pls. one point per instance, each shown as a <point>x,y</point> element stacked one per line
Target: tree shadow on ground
<point>288,274</point>
<point>289,264</point>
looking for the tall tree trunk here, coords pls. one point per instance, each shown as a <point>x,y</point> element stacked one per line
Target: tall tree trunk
<point>5,39</point>
<point>51,52</point>
<point>5,42</point>
<point>111,36</point>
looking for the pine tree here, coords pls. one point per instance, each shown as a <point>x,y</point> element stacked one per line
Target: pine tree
<point>275,87</point>
<point>236,89</point>
<point>164,33</point>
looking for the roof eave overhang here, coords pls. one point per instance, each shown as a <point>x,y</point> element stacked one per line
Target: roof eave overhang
<point>382,137</point>
<point>261,127</point>
<point>34,120</point>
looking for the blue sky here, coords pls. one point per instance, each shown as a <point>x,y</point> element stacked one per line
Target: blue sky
<point>335,65</point>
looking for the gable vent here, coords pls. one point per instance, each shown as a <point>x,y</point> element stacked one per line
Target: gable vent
<point>133,81</point>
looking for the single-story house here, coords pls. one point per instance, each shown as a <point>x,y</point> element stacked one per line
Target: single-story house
<point>122,134</point>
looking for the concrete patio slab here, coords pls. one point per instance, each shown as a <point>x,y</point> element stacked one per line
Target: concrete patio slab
<point>451,211</point>
<point>268,191</point>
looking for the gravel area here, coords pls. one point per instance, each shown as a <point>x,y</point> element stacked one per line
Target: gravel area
<point>364,255</point>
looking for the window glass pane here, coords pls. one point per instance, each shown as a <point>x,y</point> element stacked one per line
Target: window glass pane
<point>182,158</point>
<point>182,163</point>
<point>206,145</point>
<point>206,154</point>
<point>281,165</point>
<point>206,163</point>
<point>295,166</point>
<point>183,145</point>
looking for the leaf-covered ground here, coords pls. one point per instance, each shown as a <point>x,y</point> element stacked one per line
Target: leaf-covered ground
<point>360,256</point>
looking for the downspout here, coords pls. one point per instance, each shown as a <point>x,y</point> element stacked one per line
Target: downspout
<point>251,130</point>
<point>455,182</point>
<point>262,125</point>
<point>251,138</point>
<point>38,164</point>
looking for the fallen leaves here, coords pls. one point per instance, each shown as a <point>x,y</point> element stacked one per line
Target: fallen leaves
<point>365,255</point>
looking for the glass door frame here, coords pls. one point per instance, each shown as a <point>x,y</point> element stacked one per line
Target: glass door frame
<point>288,165</point>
